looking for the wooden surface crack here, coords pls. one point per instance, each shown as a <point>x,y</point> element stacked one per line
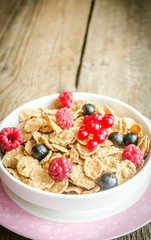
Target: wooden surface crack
<point>84,43</point>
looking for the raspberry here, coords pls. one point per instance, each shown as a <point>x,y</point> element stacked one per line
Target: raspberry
<point>60,169</point>
<point>65,99</point>
<point>133,154</point>
<point>10,138</point>
<point>64,118</point>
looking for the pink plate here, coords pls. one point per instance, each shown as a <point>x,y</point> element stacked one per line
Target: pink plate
<point>18,220</point>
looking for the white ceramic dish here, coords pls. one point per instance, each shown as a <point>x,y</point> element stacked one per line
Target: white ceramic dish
<point>78,207</point>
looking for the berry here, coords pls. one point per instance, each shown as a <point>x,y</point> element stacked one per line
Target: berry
<point>133,154</point>
<point>92,144</point>
<point>83,127</point>
<point>107,181</point>
<point>60,169</point>
<point>83,134</point>
<point>110,115</point>
<point>86,119</point>
<point>64,118</point>
<point>107,121</point>
<point>92,127</point>
<point>88,109</point>
<point>10,138</point>
<point>39,151</point>
<point>116,138</point>
<point>65,99</point>
<point>96,117</point>
<point>130,138</point>
<point>101,135</point>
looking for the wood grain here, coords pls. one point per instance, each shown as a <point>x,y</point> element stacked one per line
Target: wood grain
<point>117,56</point>
<point>40,49</point>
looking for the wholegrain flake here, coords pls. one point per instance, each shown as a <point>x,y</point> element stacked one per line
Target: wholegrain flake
<point>79,178</point>
<point>93,167</point>
<point>126,171</point>
<point>58,187</point>
<point>73,189</point>
<point>33,124</point>
<point>9,160</point>
<point>94,190</point>
<point>39,126</point>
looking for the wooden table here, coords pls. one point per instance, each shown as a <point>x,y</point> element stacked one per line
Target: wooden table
<point>100,46</point>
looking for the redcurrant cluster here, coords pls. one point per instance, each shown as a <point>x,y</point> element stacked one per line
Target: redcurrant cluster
<point>94,129</point>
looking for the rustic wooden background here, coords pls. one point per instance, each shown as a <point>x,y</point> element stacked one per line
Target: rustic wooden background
<point>100,46</point>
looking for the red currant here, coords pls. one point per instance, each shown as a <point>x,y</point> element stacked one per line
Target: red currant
<point>83,134</point>
<point>101,135</point>
<point>83,127</point>
<point>96,117</point>
<point>92,144</point>
<point>107,121</point>
<point>92,127</point>
<point>86,119</point>
<point>110,115</point>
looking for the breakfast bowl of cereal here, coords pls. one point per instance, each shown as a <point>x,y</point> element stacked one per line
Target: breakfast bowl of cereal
<point>75,156</point>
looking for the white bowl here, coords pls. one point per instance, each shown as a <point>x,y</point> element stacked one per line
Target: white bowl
<point>76,208</point>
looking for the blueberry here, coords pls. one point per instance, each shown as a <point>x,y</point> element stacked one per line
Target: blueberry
<point>116,138</point>
<point>39,151</point>
<point>88,109</point>
<point>130,138</point>
<point>107,181</point>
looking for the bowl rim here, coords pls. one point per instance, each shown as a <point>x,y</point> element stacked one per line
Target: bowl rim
<point>70,196</point>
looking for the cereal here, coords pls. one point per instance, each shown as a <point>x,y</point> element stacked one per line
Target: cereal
<point>14,172</point>
<point>127,124</point>
<point>143,144</point>
<point>84,151</point>
<point>33,124</point>
<point>110,164</point>
<point>39,126</point>
<point>48,156</point>
<point>79,178</point>
<point>93,168</point>
<point>63,138</point>
<point>73,190</point>
<point>126,171</point>
<point>37,136</point>
<point>57,147</point>
<point>9,160</point>
<point>27,136</point>
<point>75,157</point>
<point>51,123</point>
<point>26,114</point>
<point>94,190</point>
<point>137,129</point>
<point>58,187</point>
<point>105,151</point>
<point>46,142</point>
<point>29,145</point>
<point>26,165</point>
<point>42,177</point>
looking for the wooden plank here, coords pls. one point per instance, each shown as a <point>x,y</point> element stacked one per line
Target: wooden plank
<point>117,57</point>
<point>41,49</point>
